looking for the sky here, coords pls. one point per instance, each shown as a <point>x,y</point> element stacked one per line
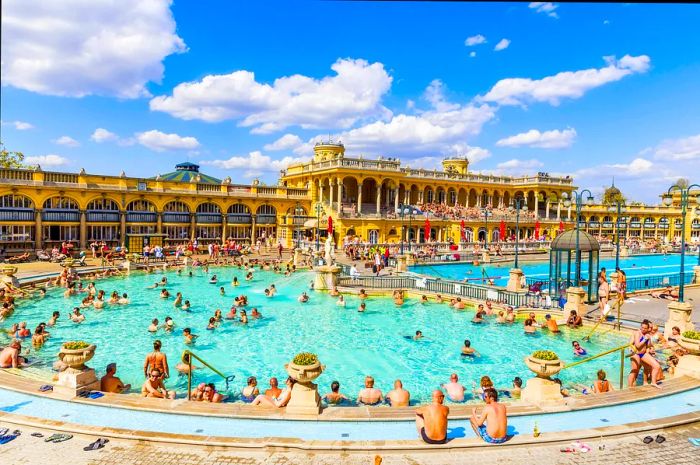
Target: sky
<point>594,91</point>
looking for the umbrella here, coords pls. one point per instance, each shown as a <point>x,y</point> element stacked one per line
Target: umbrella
<point>330,225</point>
<point>502,230</point>
<point>561,226</point>
<point>537,229</point>
<point>427,229</point>
<point>462,231</point>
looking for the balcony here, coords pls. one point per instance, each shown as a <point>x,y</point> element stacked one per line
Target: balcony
<point>208,218</point>
<point>239,218</point>
<point>608,224</point>
<point>63,216</point>
<point>594,224</point>
<point>581,224</point>
<point>11,214</point>
<point>265,219</point>
<point>141,217</point>
<point>635,224</point>
<point>101,216</point>
<point>175,217</point>
<point>695,226</point>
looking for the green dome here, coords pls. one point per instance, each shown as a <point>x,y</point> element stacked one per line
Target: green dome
<point>185,172</point>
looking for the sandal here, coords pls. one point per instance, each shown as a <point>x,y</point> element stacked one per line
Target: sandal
<point>46,388</point>
<point>52,437</point>
<point>648,440</point>
<point>99,444</point>
<point>63,437</point>
<point>37,435</point>
<point>660,439</point>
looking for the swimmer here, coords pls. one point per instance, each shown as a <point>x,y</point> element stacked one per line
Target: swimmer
<point>222,291</point>
<point>529,326</point>
<point>341,301</point>
<point>54,318</point>
<point>578,350</point>
<point>501,318</point>
<point>551,324</point>
<point>76,316</point>
<point>439,299</point>
<point>188,336</point>
<point>164,294</point>
<point>217,315</point>
<point>419,335</point>
<point>267,293</point>
<point>362,308</point>
<point>333,292</point>
<point>213,280</point>
<point>114,298</point>
<point>235,282</point>
<point>273,290</point>
<point>510,315</point>
<point>212,324</point>
<point>255,313</point>
<point>249,276</point>
<point>398,298</point>
<point>458,305</point>
<point>154,326</point>
<point>169,324</point>
<point>244,317</point>
<point>99,303</point>
<point>178,299</point>
<point>186,306</point>
<point>303,298</point>
<point>468,350</point>
<point>480,313</point>
<point>124,300</point>
<point>363,294</point>
<point>231,315</point>
<point>423,298</point>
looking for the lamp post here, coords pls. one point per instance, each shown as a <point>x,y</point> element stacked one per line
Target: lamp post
<point>668,201</point>
<point>517,205</point>
<point>318,224</point>
<point>403,211</point>
<point>578,198</point>
<point>486,213</point>
<point>619,207</point>
<point>297,211</point>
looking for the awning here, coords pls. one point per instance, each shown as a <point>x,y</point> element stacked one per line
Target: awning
<point>311,223</point>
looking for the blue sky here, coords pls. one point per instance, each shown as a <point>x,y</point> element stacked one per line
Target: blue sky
<point>590,90</point>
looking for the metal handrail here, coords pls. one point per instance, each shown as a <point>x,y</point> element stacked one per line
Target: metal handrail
<point>187,356</point>
<point>607,352</point>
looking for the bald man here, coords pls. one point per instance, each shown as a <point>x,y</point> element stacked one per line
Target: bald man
<point>431,420</point>
<point>398,397</point>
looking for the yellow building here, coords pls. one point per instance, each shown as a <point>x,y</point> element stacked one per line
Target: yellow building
<point>39,208</point>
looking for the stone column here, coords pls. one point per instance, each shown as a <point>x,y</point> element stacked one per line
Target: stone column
<point>320,191</point>
<point>159,222</point>
<point>575,297</point>
<point>224,226</point>
<point>396,198</point>
<point>515,276</point>
<point>38,230</point>
<point>340,196</point>
<point>478,200</point>
<point>83,230</point>
<point>193,226</point>
<point>546,210</point>
<point>559,210</point>
<point>491,199</point>
<point>359,197</point>
<point>330,194</point>
<point>537,204</point>
<point>253,232</point>
<point>379,198</point>
<point>569,214</point>
<point>122,227</point>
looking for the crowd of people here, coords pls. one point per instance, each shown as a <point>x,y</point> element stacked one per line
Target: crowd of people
<point>459,212</point>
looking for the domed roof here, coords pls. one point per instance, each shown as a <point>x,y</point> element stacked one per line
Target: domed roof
<point>186,172</point>
<point>567,241</point>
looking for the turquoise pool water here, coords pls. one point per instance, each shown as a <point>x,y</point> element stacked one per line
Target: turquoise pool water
<point>24,404</point>
<point>350,344</point>
<point>640,265</point>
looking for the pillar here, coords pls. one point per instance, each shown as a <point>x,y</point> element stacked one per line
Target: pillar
<point>537,204</point>
<point>491,199</point>
<point>159,222</point>
<point>379,198</point>
<point>515,277</point>
<point>340,196</point>
<point>253,232</point>
<point>359,196</point>
<point>478,200</point>
<point>122,227</point>
<point>396,198</point>
<point>679,314</point>
<point>193,226</point>
<point>224,226</point>
<point>569,214</point>
<point>546,210</point>
<point>559,210</point>
<point>38,232</point>
<point>83,230</point>
<point>420,196</point>
<point>330,194</point>
<point>320,191</point>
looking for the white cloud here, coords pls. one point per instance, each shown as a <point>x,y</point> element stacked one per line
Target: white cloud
<point>475,40</point>
<point>545,8</point>
<point>341,100</point>
<point>254,164</point>
<point>87,47</point>
<point>566,84</point>
<point>286,142</point>
<point>67,141</point>
<point>102,135</point>
<point>637,168</point>
<point>687,148</point>
<point>472,54</point>
<point>18,125</point>
<point>435,94</point>
<point>502,45</point>
<point>47,160</point>
<point>554,139</point>
<point>160,141</point>
<point>518,166</point>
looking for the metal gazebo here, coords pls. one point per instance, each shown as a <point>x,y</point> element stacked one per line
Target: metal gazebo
<point>569,266</point>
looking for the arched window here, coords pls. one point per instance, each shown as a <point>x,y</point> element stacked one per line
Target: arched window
<point>266,214</point>
<point>141,205</point>
<point>14,207</point>
<point>176,211</point>
<point>103,204</point>
<point>16,201</point>
<point>176,206</point>
<point>60,203</point>
<point>208,207</point>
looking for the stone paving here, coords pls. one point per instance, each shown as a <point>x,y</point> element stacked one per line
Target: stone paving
<point>624,450</point>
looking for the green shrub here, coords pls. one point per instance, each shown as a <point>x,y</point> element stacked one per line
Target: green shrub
<point>75,345</point>
<point>545,355</point>
<point>305,358</point>
<point>695,335</point>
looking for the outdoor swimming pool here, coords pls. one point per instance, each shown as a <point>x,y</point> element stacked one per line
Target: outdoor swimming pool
<point>350,344</point>
<point>640,265</point>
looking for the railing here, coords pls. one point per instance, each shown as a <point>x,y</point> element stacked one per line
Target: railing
<point>267,191</point>
<point>61,178</point>
<point>187,357</point>
<point>141,217</point>
<point>208,218</point>
<point>208,188</point>
<point>265,219</point>
<point>239,218</point>
<point>16,175</point>
<point>72,216</point>
<point>175,217</point>
<point>637,283</point>
<point>102,216</point>
<point>621,349</point>
<point>11,214</point>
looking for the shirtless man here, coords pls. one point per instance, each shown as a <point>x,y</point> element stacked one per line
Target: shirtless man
<point>492,424</point>
<point>551,324</point>
<point>641,341</point>
<point>281,401</point>
<point>110,383</point>
<point>274,390</point>
<point>157,361</point>
<point>154,387</point>
<point>369,395</point>
<point>398,397</point>
<point>458,305</point>
<point>431,420</point>
<point>455,390</point>
<point>468,350</point>
<point>10,358</point>
<point>76,316</point>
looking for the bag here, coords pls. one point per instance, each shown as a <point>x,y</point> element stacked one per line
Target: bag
<point>606,310</point>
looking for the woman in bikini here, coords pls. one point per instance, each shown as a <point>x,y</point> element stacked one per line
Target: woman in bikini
<point>602,384</point>
<point>156,360</point>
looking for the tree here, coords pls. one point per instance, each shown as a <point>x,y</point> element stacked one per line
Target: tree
<point>682,183</point>
<point>10,159</point>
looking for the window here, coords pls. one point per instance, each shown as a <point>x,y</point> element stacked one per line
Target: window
<point>103,233</point>
<point>15,201</point>
<point>61,203</point>
<point>208,232</point>
<point>140,229</point>
<point>16,233</point>
<point>103,204</point>
<point>141,206</point>
<point>239,232</point>
<point>61,233</point>
<point>176,206</point>
<point>176,232</point>
<point>208,208</point>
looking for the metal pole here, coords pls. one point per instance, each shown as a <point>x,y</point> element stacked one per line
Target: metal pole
<point>684,206</point>
<point>403,228</point>
<point>617,238</point>
<point>486,235</point>
<point>410,216</point>
<point>578,256</point>
<point>517,229</point>
<point>318,225</point>
<point>622,368</point>
<point>189,377</point>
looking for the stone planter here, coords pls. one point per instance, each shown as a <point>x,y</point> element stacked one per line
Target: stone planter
<point>76,358</point>
<point>691,345</point>
<point>543,368</point>
<point>8,270</point>
<point>304,373</point>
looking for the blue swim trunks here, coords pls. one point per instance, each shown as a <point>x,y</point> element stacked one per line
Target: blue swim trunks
<point>485,436</point>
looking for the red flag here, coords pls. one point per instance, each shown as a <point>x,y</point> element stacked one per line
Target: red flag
<point>463,232</point>
<point>427,229</point>
<point>537,229</point>
<point>502,231</point>
<point>330,225</point>
<point>561,226</point>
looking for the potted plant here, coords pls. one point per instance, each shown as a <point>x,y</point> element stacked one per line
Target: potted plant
<point>544,363</point>
<point>690,340</point>
<point>305,367</point>
<point>76,353</point>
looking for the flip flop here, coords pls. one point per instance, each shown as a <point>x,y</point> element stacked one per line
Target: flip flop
<point>52,437</point>
<point>648,440</point>
<point>96,395</point>
<point>4,431</point>
<point>7,438</point>
<point>37,435</point>
<point>63,437</point>
<point>660,439</point>
<point>694,441</point>
<point>99,444</point>
<point>46,388</point>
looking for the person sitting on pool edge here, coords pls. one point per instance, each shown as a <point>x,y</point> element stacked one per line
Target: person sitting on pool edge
<point>398,397</point>
<point>111,383</point>
<point>335,397</point>
<point>492,424</point>
<point>369,395</point>
<point>574,320</point>
<point>431,420</point>
<point>601,384</point>
<point>455,390</point>
<point>281,401</point>
<point>274,390</point>
<point>250,392</point>
<point>154,387</point>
